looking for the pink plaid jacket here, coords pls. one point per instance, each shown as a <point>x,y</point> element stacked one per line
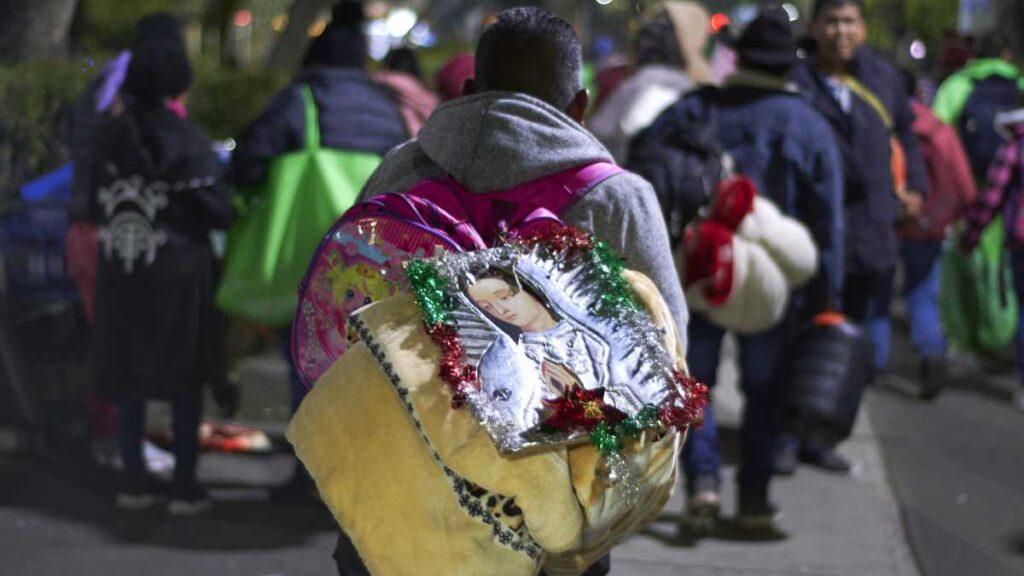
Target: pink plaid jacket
<point>1002,190</point>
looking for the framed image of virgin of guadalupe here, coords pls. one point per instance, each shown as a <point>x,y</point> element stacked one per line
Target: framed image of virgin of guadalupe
<point>533,344</point>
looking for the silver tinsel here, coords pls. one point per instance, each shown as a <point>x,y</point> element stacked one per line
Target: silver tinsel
<point>621,477</point>
<point>640,372</point>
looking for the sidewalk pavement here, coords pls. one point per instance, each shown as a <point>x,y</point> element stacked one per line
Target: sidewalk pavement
<point>836,525</point>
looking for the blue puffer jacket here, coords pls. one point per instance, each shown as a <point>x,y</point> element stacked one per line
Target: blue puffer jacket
<point>355,114</point>
<point>787,150</point>
<point>872,207</point>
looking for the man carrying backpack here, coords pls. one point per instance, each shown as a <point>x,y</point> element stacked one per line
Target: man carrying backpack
<point>970,99</point>
<point>787,150</point>
<point>521,121</point>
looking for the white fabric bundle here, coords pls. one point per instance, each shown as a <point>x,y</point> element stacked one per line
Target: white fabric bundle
<point>773,254</point>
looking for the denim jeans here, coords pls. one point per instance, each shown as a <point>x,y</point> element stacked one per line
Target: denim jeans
<point>131,425</point>
<point>758,357</point>
<point>921,269</point>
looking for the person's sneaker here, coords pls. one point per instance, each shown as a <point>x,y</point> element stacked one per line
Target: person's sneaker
<point>960,365</point>
<point>702,505</point>
<point>785,460</point>
<point>135,499</point>
<point>929,375</point>
<point>702,510</point>
<point>826,458</point>
<point>188,501</point>
<point>1018,400</point>
<point>756,517</point>
<point>140,495</point>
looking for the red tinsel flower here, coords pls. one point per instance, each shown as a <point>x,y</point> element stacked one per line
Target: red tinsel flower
<point>581,409</point>
<point>459,376</point>
<point>557,238</point>
<point>680,412</point>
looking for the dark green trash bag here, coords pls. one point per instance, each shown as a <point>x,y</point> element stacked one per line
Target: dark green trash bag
<point>977,300</point>
<point>271,244</point>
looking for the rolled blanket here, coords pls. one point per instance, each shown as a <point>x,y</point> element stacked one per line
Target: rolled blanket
<point>758,294</point>
<point>741,281</point>
<point>787,241</point>
<point>421,488</point>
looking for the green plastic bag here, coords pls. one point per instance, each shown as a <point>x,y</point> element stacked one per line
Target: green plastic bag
<point>977,300</point>
<point>271,244</point>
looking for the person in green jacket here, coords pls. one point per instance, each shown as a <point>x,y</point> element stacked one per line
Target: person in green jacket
<point>970,99</point>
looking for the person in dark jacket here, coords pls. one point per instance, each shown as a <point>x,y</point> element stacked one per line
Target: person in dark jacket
<point>355,115</point>
<point>788,150</point>
<point>862,97</point>
<point>100,99</point>
<point>156,193</point>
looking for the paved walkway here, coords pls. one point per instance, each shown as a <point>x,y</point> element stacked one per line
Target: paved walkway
<point>836,525</point>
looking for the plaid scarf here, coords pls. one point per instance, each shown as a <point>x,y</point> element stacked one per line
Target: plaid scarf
<point>1002,190</point>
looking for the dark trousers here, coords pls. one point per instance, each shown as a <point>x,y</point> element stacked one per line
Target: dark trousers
<point>296,389</point>
<point>861,290</point>
<point>131,425</point>
<point>758,359</point>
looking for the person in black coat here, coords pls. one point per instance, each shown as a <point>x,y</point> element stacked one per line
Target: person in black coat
<point>155,193</point>
<point>860,95</point>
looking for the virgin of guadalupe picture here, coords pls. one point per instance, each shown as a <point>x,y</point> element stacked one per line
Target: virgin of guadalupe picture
<point>562,352</point>
<point>527,325</point>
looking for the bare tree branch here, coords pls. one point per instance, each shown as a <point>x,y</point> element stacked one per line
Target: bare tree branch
<point>287,52</point>
<point>34,30</point>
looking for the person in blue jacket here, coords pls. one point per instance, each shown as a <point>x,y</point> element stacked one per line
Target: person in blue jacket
<point>788,150</point>
<point>354,114</point>
<point>860,95</point>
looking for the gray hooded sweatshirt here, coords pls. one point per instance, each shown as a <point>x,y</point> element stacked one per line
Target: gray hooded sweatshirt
<point>497,140</point>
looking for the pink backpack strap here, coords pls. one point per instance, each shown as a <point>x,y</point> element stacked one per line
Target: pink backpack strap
<point>476,218</point>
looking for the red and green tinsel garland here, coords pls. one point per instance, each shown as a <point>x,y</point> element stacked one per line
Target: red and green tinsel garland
<point>579,410</point>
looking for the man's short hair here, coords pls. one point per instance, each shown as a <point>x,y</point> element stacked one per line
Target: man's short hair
<point>822,5</point>
<point>533,51</point>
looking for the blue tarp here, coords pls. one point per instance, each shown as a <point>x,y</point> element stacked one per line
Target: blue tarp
<point>54,185</point>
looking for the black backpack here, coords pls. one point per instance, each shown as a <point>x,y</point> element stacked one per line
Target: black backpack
<point>825,371</point>
<point>989,97</point>
<point>684,163</point>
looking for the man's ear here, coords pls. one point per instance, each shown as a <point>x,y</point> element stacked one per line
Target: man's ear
<point>578,107</point>
<point>469,87</point>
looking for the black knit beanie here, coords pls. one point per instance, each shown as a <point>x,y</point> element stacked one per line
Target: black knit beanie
<point>342,43</point>
<point>159,70</point>
<point>158,25</point>
<point>656,42</point>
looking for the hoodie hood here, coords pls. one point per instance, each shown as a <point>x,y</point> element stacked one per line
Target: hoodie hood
<point>981,68</point>
<point>496,140</point>
<point>692,24</point>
